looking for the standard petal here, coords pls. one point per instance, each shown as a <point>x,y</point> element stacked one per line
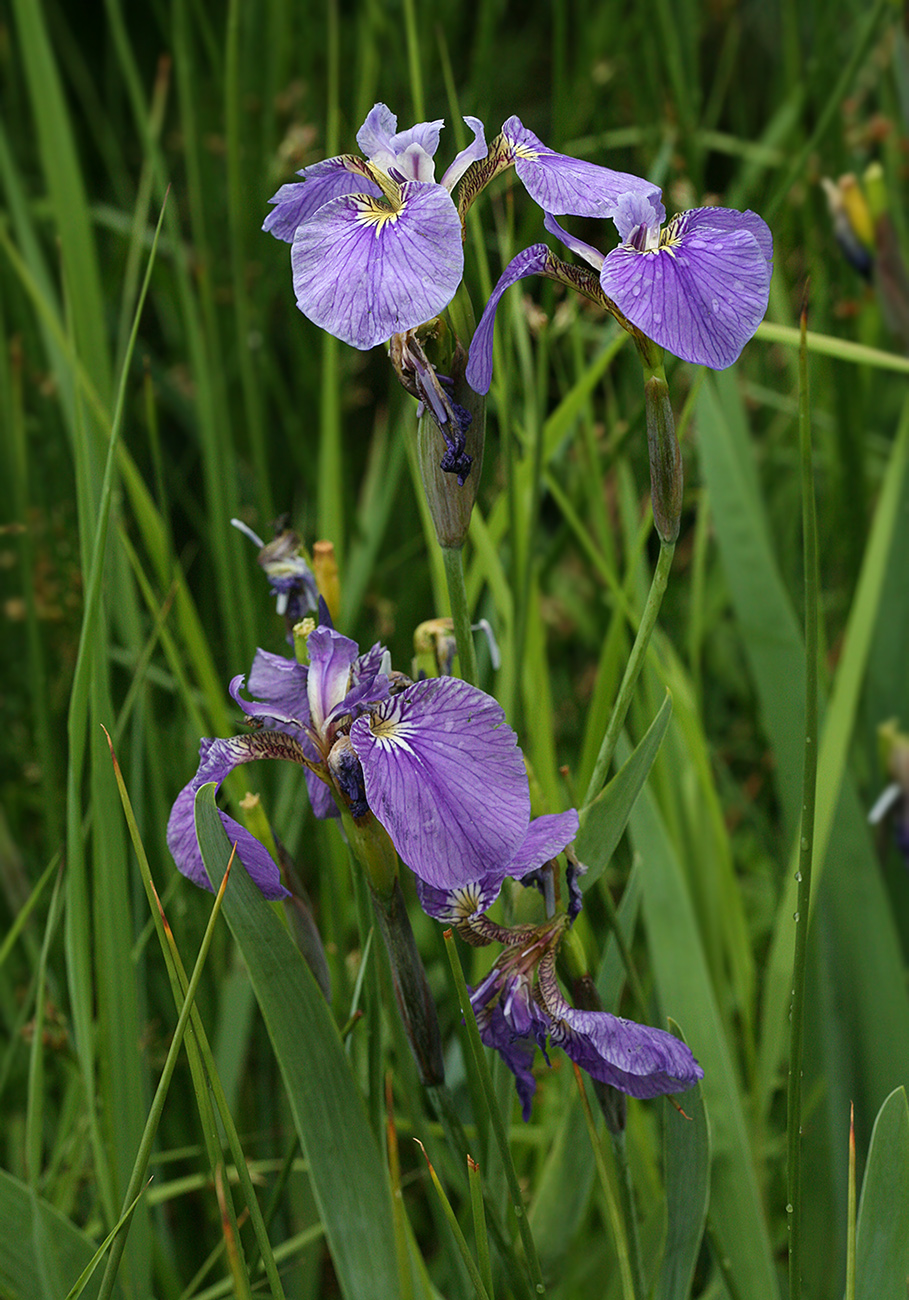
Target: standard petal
<point>636,1059</point>
<point>701,295</point>
<point>376,132</point>
<point>479,364</point>
<point>546,837</point>
<point>297,201</point>
<point>331,657</point>
<point>560,184</point>
<point>473,153</point>
<point>364,272</point>
<point>446,779</point>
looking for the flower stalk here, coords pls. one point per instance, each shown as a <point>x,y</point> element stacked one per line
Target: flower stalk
<point>806,842</point>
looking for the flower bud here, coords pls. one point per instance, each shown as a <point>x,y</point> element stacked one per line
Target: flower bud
<point>665,458</point>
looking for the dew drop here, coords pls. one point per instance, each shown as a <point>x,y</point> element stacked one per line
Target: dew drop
<point>795,916</point>
<point>696,243</point>
<point>798,877</point>
<point>737,286</point>
<point>804,843</point>
<point>718,247</point>
<point>788,1209</point>
<point>714,305</point>
<point>635,289</point>
<point>657,317</point>
<point>518,1211</point>
<point>540,1289</point>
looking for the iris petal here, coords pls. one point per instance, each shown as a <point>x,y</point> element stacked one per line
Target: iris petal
<point>703,293</point>
<point>364,272</point>
<point>473,153</point>
<point>546,837</point>
<point>564,185</point>
<point>216,759</point>
<point>479,364</point>
<point>446,779</point>
<point>637,1059</point>
<point>297,201</point>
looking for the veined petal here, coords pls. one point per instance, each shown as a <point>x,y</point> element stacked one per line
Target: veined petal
<point>216,759</point>
<point>446,779</point>
<point>363,271</point>
<point>376,132</point>
<point>298,200</point>
<point>473,153</point>
<point>701,294</point>
<point>560,184</point>
<point>590,254</point>
<point>636,1059</point>
<point>546,837</point>
<point>479,364</point>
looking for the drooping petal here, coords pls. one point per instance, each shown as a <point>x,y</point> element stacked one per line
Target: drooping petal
<point>446,779</point>
<point>546,837</point>
<point>479,364</point>
<point>517,1053</point>
<point>476,150</point>
<point>562,185</point>
<point>363,271</point>
<point>216,759</point>
<point>636,1059</point>
<point>701,294</point>
<point>298,200</point>
<point>590,254</point>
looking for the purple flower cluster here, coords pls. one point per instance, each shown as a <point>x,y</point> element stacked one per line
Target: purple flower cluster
<point>377,243</point>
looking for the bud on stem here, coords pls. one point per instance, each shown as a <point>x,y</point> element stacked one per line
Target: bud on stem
<point>665,457</point>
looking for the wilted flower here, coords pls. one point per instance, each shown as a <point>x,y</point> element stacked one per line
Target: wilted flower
<point>433,761</point>
<point>290,578</point>
<point>698,286</point>
<point>519,1005</point>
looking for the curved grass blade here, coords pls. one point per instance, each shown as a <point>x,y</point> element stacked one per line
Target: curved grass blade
<point>882,1233</point>
<point>686,1162</point>
<point>604,820</point>
<point>349,1179</point>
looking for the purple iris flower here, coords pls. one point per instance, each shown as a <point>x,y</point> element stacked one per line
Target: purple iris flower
<point>376,242</point>
<point>433,761</point>
<point>697,287</point>
<point>519,1005</point>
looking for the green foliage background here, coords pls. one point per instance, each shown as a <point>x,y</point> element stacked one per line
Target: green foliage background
<point>129,601</point>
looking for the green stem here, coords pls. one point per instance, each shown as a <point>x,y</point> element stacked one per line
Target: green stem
<point>457,594</point>
<point>632,670</point>
<point>806,845</point>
